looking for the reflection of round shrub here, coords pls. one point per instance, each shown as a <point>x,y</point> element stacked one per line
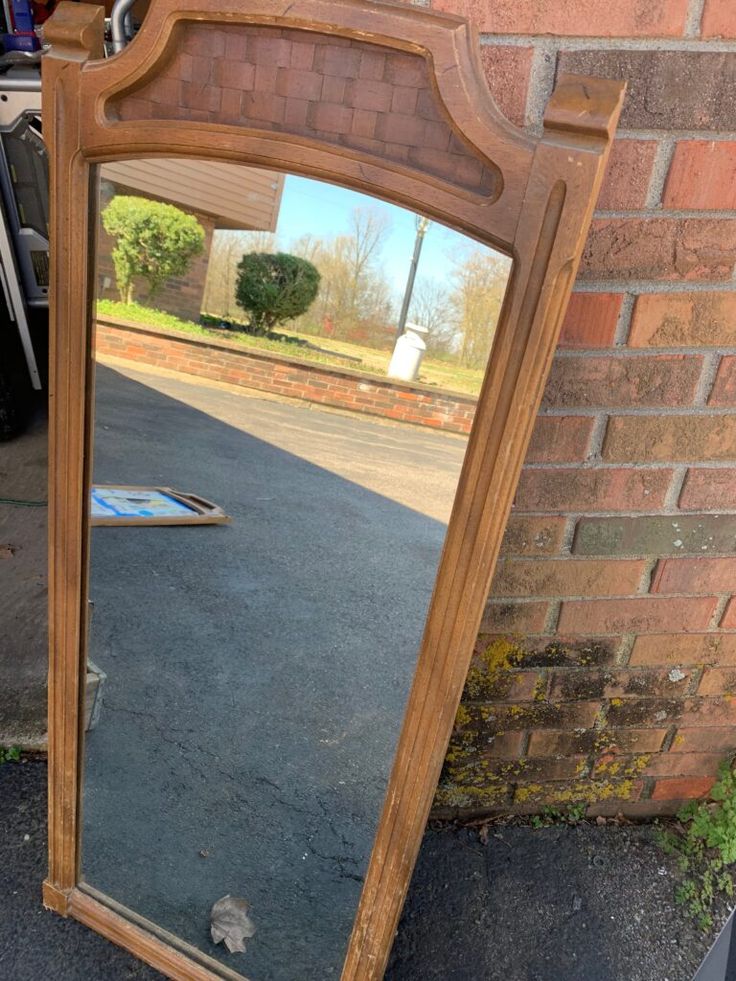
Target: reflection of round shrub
<point>274,288</point>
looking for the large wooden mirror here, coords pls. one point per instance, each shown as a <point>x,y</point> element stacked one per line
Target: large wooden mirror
<point>343,352</point>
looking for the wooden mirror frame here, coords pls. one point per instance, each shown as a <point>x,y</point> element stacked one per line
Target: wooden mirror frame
<point>465,166</point>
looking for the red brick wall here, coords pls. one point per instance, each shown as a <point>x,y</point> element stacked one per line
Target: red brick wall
<point>228,362</point>
<point>606,667</point>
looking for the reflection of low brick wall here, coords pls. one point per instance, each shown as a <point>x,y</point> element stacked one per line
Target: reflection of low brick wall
<point>342,388</point>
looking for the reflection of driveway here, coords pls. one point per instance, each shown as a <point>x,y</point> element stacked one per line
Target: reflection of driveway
<point>257,671</point>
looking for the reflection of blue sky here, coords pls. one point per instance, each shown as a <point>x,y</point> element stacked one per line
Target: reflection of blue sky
<point>323,210</point>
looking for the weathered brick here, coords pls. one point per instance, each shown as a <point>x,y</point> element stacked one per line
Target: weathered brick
<point>554,651</point>
<point>709,488</point>
<point>567,577</point>
<point>684,649</point>
<point>682,788</point>
<point>718,19</point>
<point>507,70</point>
<point>666,89</point>
<point>627,18</point>
<point>709,712</point>
<point>728,621</point>
<point>684,765</point>
<point>548,489</point>
<point>718,681</point>
<point>627,176</point>
<point>549,743</point>
<point>656,534</point>
<point>639,381</point>
<point>644,711</point>
<point>724,386</point>
<point>646,614</point>
<point>514,617</point>
<point>568,685</point>
<point>559,439</point>
<point>590,320</point>
<point>702,175</point>
<point>684,320</point>
<point>695,576</point>
<point>561,793</point>
<point>494,716</point>
<point>533,536</point>
<point>670,438</point>
<point>705,739</point>
<point>505,745</point>
<point>660,248</point>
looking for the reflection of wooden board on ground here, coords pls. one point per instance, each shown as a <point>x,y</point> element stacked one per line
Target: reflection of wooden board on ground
<point>120,504</point>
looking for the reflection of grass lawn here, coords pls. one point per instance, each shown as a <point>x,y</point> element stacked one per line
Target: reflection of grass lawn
<point>442,374</point>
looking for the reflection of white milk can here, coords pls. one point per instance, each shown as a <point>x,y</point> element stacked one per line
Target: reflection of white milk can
<point>408,353</point>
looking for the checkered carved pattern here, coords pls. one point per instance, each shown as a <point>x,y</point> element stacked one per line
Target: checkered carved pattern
<point>350,93</point>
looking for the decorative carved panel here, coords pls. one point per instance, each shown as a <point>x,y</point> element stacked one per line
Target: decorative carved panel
<point>350,93</point>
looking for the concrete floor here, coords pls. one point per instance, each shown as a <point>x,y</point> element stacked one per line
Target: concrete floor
<point>257,672</point>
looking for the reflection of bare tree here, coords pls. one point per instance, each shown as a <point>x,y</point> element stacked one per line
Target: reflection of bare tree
<point>431,307</point>
<point>228,248</point>
<point>479,282</point>
<point>354,300</point>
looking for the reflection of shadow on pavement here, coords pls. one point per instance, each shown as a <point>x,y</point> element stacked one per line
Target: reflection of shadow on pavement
<point>256,678</point>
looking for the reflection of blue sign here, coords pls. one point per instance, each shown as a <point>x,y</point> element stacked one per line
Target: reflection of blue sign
<point>124,502</point>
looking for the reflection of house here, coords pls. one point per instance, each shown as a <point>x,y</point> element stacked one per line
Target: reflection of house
<point>219,195</point>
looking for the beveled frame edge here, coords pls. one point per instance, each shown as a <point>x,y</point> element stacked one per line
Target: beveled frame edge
<point>560,189</point>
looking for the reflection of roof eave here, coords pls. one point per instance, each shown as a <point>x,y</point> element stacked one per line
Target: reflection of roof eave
<point>237,197</point>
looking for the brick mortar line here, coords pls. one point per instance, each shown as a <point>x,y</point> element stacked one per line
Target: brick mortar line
<point>637,465</point>
<point>711,362</point>
<point>570,42</point>
<point>597,435</point>
<point>660,169</point>
<point>610,557</point>
<point>663,411</point>
<point>639,286</point>
<point>672,497</point>
<point>558,599</point>
<point>716,214</point>
<point>694,18</point>
<point>623,654</point>
<point>568,537</point>
<point>541,82</point>
<point>705,135</point>
<point>553,615</point>
<point>647,576</point>
<point>626,352</point>
<point>715,620</point>
<point>623,324</point>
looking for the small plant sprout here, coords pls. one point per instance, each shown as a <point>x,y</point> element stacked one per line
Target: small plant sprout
<point>705,847</point>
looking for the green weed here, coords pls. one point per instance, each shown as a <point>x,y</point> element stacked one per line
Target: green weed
<point>548,816</point>
<point>9,754</point>
<point>705,847</point>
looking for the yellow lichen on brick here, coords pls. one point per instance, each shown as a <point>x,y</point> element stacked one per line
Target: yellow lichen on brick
<point>489,667</point>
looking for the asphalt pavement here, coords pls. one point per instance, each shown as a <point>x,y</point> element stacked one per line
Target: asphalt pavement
<point>256,672</point>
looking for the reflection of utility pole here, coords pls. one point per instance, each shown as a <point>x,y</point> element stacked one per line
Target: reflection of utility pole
<point>422,226</point>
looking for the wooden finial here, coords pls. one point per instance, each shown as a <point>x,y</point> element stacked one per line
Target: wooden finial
<point>584,105</point>
<point>76,31</point>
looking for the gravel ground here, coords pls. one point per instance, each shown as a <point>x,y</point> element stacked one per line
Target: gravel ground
<point>557,904</point>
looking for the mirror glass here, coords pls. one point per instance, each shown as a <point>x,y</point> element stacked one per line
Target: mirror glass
<point>286,373</point>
